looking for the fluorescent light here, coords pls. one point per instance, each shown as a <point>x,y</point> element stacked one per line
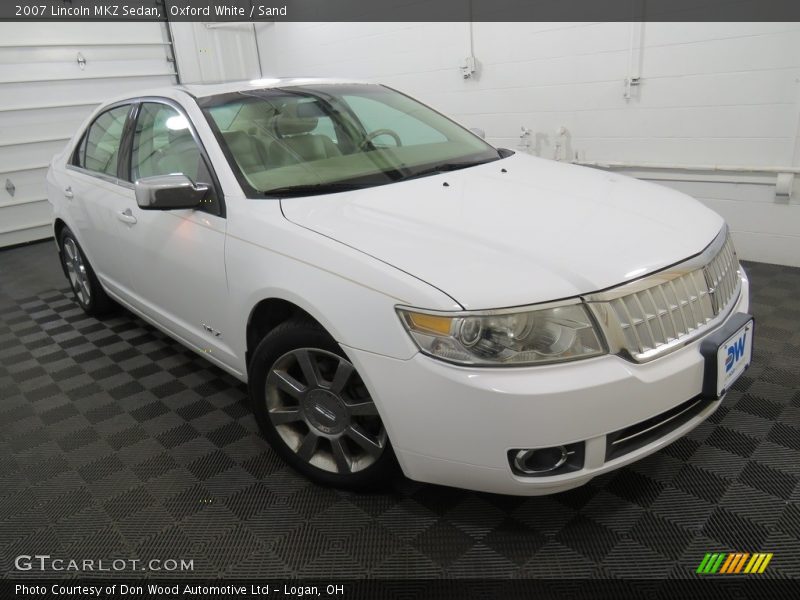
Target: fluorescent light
<point>263,82</point>
<point>177,123</point>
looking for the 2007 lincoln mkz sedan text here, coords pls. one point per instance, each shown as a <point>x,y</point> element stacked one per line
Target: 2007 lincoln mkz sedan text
<point>394,290</point>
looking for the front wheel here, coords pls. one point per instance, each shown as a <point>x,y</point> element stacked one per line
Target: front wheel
<point>314,409</point>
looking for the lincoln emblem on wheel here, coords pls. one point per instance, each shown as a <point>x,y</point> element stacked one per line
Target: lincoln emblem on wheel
<point>397,293</point>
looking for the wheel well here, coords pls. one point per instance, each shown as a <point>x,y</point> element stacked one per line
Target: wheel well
<point>58,227</point>
<point>266,316</point>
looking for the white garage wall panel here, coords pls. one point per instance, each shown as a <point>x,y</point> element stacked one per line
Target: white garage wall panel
<point>709,93</point>
<point>213,52</point>
<point>45,95</point>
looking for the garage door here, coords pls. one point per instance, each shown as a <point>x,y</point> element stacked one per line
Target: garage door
<point>51,76</point>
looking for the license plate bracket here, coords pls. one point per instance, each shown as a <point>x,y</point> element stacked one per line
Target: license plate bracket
<point>727,354</point>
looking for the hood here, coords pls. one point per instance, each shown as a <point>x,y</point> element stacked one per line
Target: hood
<point>540,231</point>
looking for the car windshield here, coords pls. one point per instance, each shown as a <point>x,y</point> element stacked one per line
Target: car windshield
<point>317,139</point>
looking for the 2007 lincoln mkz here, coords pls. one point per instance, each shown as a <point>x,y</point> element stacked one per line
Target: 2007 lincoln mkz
<point>396,291</point>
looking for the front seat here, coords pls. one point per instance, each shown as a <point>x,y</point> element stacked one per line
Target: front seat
<point>294,141</point>
<point>248,151</point>
<point>181,155</point>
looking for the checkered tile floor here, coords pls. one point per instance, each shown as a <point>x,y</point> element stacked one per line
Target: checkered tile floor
<point>116,442</point>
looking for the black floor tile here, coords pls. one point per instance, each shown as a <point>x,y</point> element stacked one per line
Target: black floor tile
<point>102,456</point>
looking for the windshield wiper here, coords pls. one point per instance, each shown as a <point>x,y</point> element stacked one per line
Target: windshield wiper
<point>444,168</point>
<point>312,189</point>
<point>317,189</point>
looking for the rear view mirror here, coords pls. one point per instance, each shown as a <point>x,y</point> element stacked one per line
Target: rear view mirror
<point>169,192</point>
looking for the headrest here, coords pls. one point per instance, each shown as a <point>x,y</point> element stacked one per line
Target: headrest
<point>308,110</point>
<point>254,111</point>
<point>296,118</point>
<point>237,139</point>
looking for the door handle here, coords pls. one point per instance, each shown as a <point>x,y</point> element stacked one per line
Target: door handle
<point>126,216</point>
<point>68,192</point>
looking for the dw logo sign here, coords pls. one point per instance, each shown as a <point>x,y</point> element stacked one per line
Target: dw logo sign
<point>735,352</point>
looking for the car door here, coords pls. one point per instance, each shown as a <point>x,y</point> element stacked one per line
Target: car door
<point>97,198</point>
<point>178,271</point>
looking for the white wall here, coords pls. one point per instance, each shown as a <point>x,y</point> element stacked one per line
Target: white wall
<point>710,93</point>
<point>212,52</point>
<point>45,94</point>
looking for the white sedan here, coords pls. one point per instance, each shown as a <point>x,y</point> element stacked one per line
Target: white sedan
<point>395,290</point>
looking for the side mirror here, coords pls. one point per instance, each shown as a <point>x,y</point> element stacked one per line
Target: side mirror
<point>479,132</point>
<point>169,192</point>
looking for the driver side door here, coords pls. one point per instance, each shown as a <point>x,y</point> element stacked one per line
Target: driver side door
<point>178,256</point>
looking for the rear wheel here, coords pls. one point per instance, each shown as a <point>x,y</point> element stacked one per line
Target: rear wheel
<point>315,410</point>
<point>84,283</point>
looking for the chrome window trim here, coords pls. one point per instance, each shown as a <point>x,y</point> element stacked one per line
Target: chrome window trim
<point>130,103</point>
<point>195,136</point>
<point>101,176</point>
<point>133,115</point>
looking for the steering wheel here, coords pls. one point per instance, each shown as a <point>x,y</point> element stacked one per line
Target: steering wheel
<point>378,132</point>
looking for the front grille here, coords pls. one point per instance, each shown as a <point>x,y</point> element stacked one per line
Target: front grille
<point>674,309</point>
<point>722,276</point>
<point>637,436</point>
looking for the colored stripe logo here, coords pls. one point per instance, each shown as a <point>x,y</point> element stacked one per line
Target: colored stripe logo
<point>731,563</point>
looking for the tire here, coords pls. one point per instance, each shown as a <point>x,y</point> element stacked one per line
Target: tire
<point>89,294</point>
<point>315,411</point>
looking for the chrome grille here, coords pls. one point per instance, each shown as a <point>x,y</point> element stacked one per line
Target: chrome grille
<point>663,313</point>
<point>722,276</point>
<point>660,311</point>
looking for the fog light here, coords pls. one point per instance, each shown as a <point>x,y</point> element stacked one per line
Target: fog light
<point>539,462</point>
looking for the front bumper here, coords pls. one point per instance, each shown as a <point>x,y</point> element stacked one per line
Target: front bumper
<point>454,426</point>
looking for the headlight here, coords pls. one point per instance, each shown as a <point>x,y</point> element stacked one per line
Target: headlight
<point>513,337</point>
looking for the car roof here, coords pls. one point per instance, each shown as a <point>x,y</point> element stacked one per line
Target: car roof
<point>212,89</point>
<point>201,90</point>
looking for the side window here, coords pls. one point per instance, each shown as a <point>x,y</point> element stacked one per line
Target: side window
<point>99,149</point>
<point>79,157</point>
<point>163,145</point>
<point>376,115</point>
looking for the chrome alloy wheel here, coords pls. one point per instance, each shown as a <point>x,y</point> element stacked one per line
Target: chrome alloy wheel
<point>320,407</point>
<point>76,271</point>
